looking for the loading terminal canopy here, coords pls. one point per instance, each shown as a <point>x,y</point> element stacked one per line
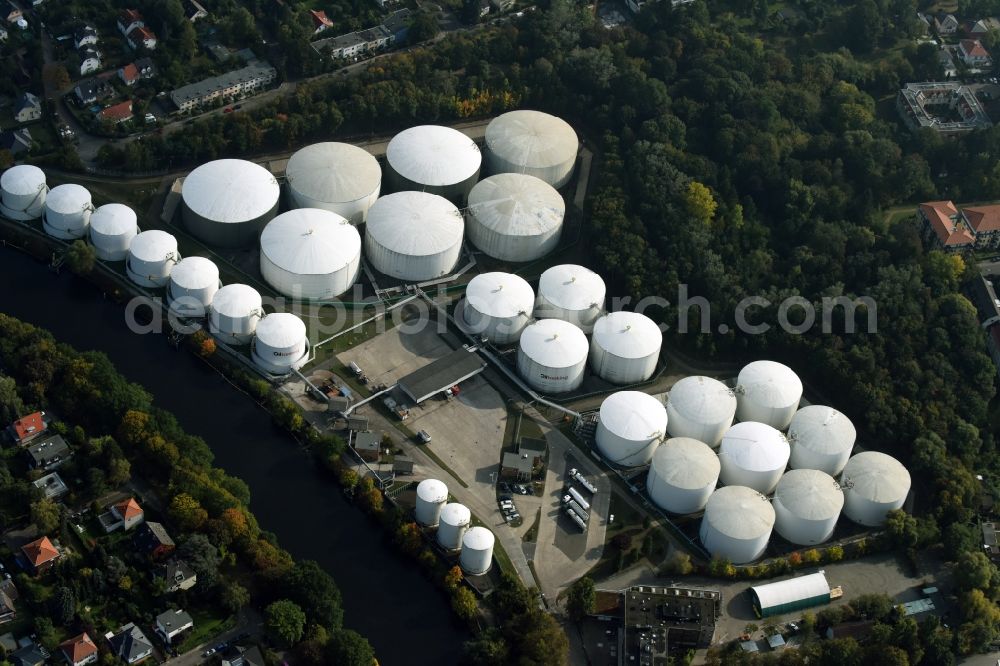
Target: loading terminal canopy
<point>441,374</point>
<point>790,595</point>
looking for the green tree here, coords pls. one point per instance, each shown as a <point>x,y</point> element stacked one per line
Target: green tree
<point>234,597</point>
<point>187,512</point>
<point>45,515</point>
<point>203,556</point>
<point>424,27</point>
<point>699,203</point>
<point>314,590</point>
<point>11,406</point>
<point>62,605</point>
<point>350,648</point>
<point>80,257</point>
<point>581,598</point>
<point>901,529</point>
<point>463,601</point>
<point>974,571</point>
<point>285,621</point>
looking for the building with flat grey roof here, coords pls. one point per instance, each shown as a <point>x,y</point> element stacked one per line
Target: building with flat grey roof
<point>441,374</point>
<point>392,30</point>
<point>947,107</point>
<point>250,79</point>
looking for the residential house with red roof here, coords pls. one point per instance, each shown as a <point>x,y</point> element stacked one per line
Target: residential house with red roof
<point>320,21</point>
<point>129,74</point>
<point>122,515</point>
<point>79,651</point>
<point>974,54</point>
<point>129,20</point>
<point>117,113</point>
<point>141,37</point>
<point>27,428</point>
<point>953,229</point>
<point>40,555</point>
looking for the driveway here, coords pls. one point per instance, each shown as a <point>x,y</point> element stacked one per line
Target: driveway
<point>249,622</point>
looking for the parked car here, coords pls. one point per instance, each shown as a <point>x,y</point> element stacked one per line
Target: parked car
<point>424,436</point>
<point>208,653</point>
<point>501,498</point>
<point>521,489</point>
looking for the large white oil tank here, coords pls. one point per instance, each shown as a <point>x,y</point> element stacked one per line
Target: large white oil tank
<point>683,475</point>
<point>874,484</point>
<point>477,551</point>
<point>431,497</point>
<point>821,438</point>
<point>571,293</point>
<point>625,347</point>
<point>807,504</point>
<point>337,177</point>
<point>514,217</point>
<point>227,202</point>
<point>193,283</point>
<point>310,254</point>
<point>151,256</point>
<point>454,521</point>
<point>737,524</point>
<point>112,228</point>
<point>701,408</point>
<point>753,455</point>
<point>630,426</point>
<point>234,313</point>
<point>552,356</point>
<point>22,192</point>
<point>414,236</point>
<point>279,343</point>
<point>67,212</point>
<point>435,159</point>
<point>534,143</point>
<point>498,306</point>
<point>767,392</point>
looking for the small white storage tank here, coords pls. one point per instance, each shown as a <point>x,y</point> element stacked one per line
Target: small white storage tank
<point>310,253</point>
<point>498,306</point>
<point>279,343</point>
<point>807,504</point>
<point>701,408</point>
<point>435,159</point>
<point>193,283</point>
<point>753,455</point>
<point>151,256</point>
<point>112,228</point>
<point>414,236</point>
<point>234,313</point>
<point>552,356</point>
<point>874,484</point>
<point>337,177</point>
<point>683,475</point>
<point>768,392</point>
<point>454,521</point>
<point>822,438</point>
<point>22,192</point>
<point>630,426</point>
<point>625,347</point>
<point>534,143</point>
<point>477,551</point>
<point>67,212</point>
<point>431,497</point>
<point>227,202</point>
<point>571,293</point>
<point>737,524</point>
<point>514,217</point>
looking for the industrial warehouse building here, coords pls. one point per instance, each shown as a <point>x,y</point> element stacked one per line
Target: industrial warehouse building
<point>441,374</point>
<point>790,595</point>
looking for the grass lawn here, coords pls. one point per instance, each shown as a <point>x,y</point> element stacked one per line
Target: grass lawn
<point>532,532</point>
<point>206,626</point>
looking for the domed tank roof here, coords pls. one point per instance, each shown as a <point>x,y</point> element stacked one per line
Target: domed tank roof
<point>500,294</point>
<point>113,219</point>
<point>67,199</point>
<point>633,415</point>
<point>755,446</point>
<point>822,430</point>
<point>22,179</point>
<point>703,399</point>
<point>281,329</point>
<point>153,245</point>
<point>628,335</point>
<point>876,476</point>
<point>478,538</point>
<point>432,490</point>
<point>455,514</point>
<point>739,512</point>
<point>554,343</point>
<point>686,463</point>
<point>770,383</point>
<point>572,287</point>
<point>333,172</point>
<point>194,273</point>
<point>810,494</point>
<point>236,300</point>
<point>310,241</point>
<point>532,138</point>
<point>230,191</point>
<point>516,204</point>
<point>433,155</point>
<point>415,223</point>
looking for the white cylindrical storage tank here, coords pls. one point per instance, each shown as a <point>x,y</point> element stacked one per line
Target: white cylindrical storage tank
<point>67,212</point>
<point>498,306</point>
<point>279,343</point>
<point>337,177</point>
<point>533,143</point>
<point>513,217</point>
<point>753,455</point>
<point>701,408</point>
<point>310,253</point>
<point>768,392</point>
<point>227,202</point>
<point>477,551</point>
<point>234,313</point>
<point>571,293</point>
<point>630,426</point>
<point>737,524</point>
<point>435,159</point>
<point>22,192</point>
<point>625,347</point>
<point>822,438</point>
<point>552,356</point>
<point>454,520</point>
<point>414,236</point>
<point>807,504</point>
<point>112,228</point>
<point>193,283</point>
<point>683,475</point>
<point>431,497</point>
<point>874,484</point>
<point>151,256</point>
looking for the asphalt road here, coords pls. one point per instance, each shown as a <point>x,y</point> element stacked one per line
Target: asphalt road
<point>249,622</point>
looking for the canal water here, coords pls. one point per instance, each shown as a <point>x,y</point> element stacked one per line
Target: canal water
<point>386,598</point>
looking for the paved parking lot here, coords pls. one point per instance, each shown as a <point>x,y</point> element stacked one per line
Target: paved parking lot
<point>396,353</point>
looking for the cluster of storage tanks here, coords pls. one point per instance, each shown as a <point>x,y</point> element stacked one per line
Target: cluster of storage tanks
<point>724,451</point>
<point>452,521</point>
